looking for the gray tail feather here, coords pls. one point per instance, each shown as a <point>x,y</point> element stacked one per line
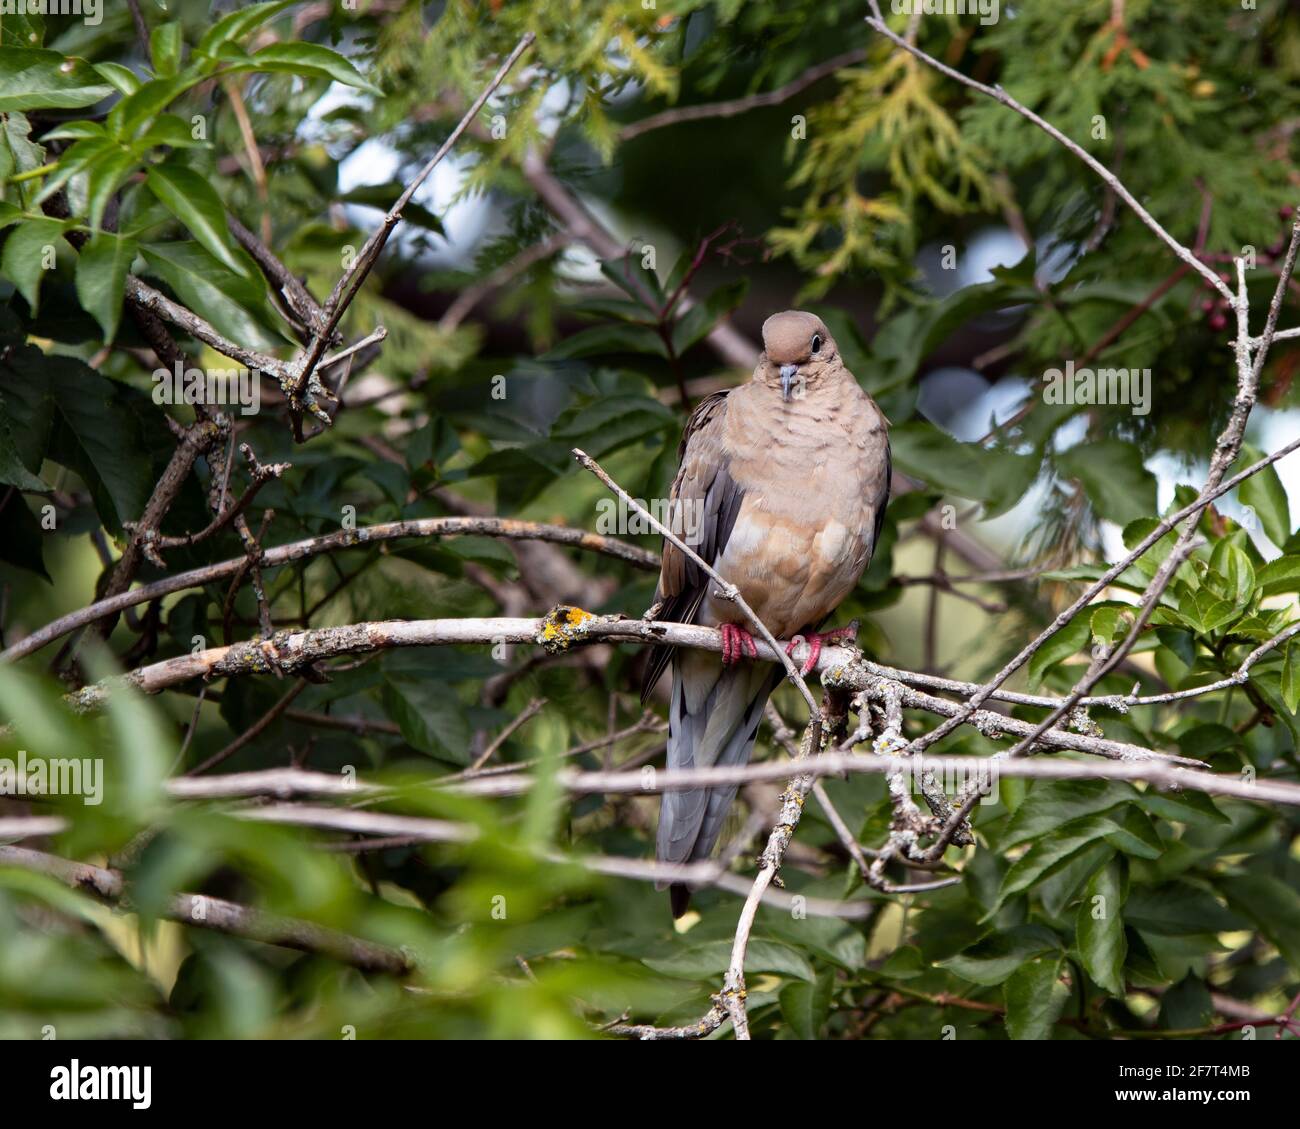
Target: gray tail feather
<point>713,720</point>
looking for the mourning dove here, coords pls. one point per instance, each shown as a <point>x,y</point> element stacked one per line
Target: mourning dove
<point>781,487</point>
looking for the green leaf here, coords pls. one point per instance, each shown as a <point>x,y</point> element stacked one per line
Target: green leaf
<point>308,60</point>
<point>239,23</point>
<point>1187,1004</point>
<point>31,245</point>
<point>124,79</point>
<point>103,179</point>
<point>165,44</point>
<point>174,131</point>
<point>12,470</point>
<point>75,131</point>
<point>695,324</point>
<point>637,282</point>
<point>1177,909</point>
<point>612,422</point>
<point>1231,567</point>
<point>1052,803</point>
<point>1151,560</point>
<point>97,427</point>
<point>1106,621</point>
<point>705,961</point>
<point>384,196</point>
<point>1280,575</point>
<point>34,79</point>
<point>1067,642</point>
<point>101,278</point>
<point>1265,495</point>
<point>603,340</point>
<point>1291,678</point>
<point>136,112</point>
<point>1268,684</point>
<point>1133,833</point>
<point>1099,928</point>
<point>906,340</point>
<point>192,200</point>
<point>1119,487</point>
<point>22,541</point>
<point>1050,854</point>
<point>997,478</point>
<point>1186,807</point>
<point>18,153</point>
<point>234,304</point>
<point>1274,907</point>
<point>79,157</point>
<point>805,1005</point>
<point>1059,889</point>
<point>22,28</point>
<point>1035,999</point>
<point>996,957</point>
<point>430,717</point>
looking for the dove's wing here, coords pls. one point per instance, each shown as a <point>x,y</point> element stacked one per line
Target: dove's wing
<point>705,502</point>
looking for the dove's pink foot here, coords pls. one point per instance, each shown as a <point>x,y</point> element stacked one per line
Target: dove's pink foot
<point>815,639</point>
<point>735,642</point>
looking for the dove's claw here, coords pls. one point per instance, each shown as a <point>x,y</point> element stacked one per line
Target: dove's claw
<point>815,639</point>
<point>736,641</point>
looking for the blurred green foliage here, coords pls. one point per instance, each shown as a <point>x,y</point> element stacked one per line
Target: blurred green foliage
<point>117,160</point>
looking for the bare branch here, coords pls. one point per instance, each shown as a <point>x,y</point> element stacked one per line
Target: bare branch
<point>508,528</point>
<point>217,914</point>
<point>733,106</point>
<point>565,627</point>
<point>157,302</point>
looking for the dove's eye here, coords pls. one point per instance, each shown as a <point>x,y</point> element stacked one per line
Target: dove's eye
<point>817,343</point>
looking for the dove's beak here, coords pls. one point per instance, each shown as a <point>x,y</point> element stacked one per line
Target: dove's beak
<point>788,374</point>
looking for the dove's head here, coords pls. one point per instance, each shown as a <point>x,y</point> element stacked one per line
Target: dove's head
<point>798,353</point>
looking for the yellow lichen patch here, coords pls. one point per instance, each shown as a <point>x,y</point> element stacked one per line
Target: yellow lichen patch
<point>561,627</point>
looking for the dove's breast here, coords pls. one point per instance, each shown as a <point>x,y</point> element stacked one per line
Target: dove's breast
<point>810,472</point>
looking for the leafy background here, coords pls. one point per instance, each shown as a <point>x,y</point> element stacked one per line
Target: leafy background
<point>843,198</point>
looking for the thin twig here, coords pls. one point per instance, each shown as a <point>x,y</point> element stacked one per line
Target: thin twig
<point>252,732</point>
<point>733,106</point>
<point>522,718</point>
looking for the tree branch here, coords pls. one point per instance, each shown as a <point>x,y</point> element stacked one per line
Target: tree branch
<point>218,914</point>
<point>507,528</point>
<point>733,106</point>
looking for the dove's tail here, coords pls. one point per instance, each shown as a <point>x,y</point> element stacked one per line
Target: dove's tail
<point>713,720</point>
